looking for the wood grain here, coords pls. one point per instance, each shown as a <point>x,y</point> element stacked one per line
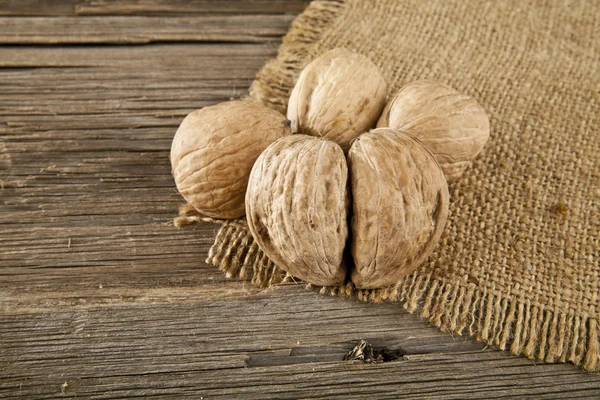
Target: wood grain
<point>101,297</point>
<point>141,7</point>
<point>284,343</point>
<point>194,6</point>
<point>142,29</point>
<point>37,7</point>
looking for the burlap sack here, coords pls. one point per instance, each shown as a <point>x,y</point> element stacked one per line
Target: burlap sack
<point>518,264</point>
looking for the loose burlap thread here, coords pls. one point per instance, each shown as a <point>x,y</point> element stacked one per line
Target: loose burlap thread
<point>518,264</point>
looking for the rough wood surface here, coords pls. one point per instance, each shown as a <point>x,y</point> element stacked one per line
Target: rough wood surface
<point>194,6</point>
<point>101,297</point>
<point>130,7</point>
<point>143,29</point>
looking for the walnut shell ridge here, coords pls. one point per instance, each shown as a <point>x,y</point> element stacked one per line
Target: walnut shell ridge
<point>400,206</point>
<point>214,150</point>
<point>453,126</point>
<point>338,96</point>
<point>296,207</point>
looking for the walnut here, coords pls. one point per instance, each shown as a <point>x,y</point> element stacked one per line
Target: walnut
<point>399,203</point>
<point>453,126</point>
<point>296,207</point>
<point>338,96</point>
<point>213,152</point>
<point>297,190</point>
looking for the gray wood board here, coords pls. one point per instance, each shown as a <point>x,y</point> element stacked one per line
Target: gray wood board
<point>141,7</point>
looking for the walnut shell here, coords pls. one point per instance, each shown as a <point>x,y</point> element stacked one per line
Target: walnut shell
<point>338,96</point>
<point>453,126</point>
<point>213,152</point>
<point>400,206</point>
<point>296,206</point>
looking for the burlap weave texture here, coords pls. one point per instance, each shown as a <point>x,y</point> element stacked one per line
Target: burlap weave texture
<point>518,264</point>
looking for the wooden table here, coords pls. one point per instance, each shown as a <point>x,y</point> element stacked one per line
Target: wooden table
<point>102,297</point>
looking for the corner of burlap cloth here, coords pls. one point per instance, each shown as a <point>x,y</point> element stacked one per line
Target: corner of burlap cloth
<point>518,264</point>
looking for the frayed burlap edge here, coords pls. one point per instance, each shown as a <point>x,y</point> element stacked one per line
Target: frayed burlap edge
<point>462,308</point>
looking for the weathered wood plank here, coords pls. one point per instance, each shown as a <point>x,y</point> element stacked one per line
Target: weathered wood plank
<point>139,29</point>
<point>194,6</point>
<point>88,193</point>
<point>286,343</point>
<point>128,7</point>
<point>37,7</point>
<point>156,59</point>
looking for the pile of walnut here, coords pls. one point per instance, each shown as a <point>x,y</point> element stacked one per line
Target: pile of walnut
<point>323,179</point>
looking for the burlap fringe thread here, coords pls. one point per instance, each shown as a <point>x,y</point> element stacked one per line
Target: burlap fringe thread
<point>519,326</point>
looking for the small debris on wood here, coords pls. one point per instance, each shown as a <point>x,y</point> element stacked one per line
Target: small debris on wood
<point>63,387</point>
<point>364,352</point>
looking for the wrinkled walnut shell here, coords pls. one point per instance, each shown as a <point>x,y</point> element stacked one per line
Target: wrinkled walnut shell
<point>338,96</point>
<point>400,206</point>
<point>296,207</point>
<point>453,126</point>
<point>213,152</point>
